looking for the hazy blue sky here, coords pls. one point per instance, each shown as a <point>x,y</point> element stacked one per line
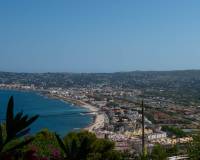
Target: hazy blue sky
<point>99,35</point>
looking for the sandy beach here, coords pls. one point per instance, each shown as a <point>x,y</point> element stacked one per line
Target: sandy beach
<point>98,123</point>
<point>99,117</point>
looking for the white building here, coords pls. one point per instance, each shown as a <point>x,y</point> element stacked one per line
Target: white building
<point>154,136</point>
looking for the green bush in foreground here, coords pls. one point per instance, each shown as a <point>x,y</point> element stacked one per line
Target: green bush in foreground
<point>85,146</point>
<point>44,144</point>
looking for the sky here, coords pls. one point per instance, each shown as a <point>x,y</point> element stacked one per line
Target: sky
<point>99,35</point>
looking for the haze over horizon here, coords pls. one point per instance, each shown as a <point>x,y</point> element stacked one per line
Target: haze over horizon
<point>60,72</point>
<point>99,36</point>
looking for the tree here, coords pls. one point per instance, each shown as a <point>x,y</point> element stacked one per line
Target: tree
<point>44,144</point>
<point>173,151</point>
<point>85,146</point>
<point>158,153</point>
<point>16,127</point>
<point>174,130</point>
<point>194,148</point>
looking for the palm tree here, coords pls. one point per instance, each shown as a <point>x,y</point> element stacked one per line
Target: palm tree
<point>85,146</point>
<point>16,127</point>
<point>77,146</point>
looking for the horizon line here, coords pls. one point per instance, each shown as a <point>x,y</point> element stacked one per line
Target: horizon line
<point>62,72</point>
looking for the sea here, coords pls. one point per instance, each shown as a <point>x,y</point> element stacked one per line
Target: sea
<point>55,115</point>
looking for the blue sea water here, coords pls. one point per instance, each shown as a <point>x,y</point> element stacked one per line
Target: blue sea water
<point>55,115</point>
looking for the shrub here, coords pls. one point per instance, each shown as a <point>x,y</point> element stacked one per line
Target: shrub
<point>85,146</point>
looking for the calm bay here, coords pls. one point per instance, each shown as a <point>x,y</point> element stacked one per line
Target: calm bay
<point>56,115</point>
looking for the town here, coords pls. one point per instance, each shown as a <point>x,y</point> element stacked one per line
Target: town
<point>117,114</point>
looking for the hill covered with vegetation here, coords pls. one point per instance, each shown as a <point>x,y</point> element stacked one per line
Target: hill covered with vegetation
<point>180,86</point>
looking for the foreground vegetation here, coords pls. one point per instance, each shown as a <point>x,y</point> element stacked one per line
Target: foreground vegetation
<point>17,144</point>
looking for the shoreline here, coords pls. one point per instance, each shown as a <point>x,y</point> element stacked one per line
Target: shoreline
<point>99,118</point>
